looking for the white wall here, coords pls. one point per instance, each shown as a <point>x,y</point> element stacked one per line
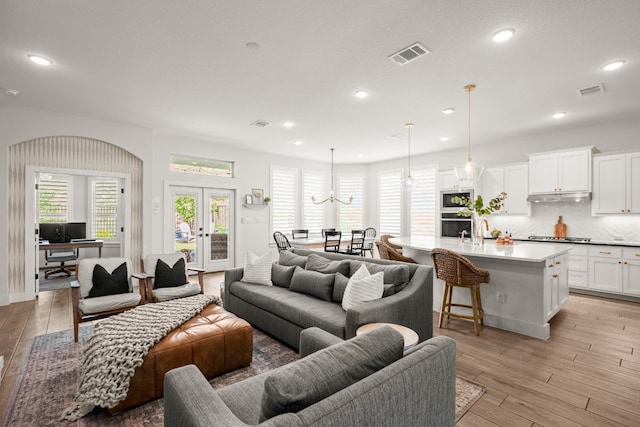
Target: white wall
<point>19,124</point>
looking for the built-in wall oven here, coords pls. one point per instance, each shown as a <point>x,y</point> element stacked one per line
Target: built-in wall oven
<point>452,225</point>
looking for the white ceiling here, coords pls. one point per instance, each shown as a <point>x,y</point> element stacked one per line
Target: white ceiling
<point>183,66</point>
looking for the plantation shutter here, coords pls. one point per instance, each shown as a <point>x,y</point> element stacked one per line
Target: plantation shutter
<point>390,202</point>
<point>351,217</point>
<point>53,200</point>
<point>313,216</point>
<point>423,202</point>
<point>104,208</point>
<point>283,199</point>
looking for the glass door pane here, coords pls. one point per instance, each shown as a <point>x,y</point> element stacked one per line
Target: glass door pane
<point>220,231</point>
<point>186,202</point>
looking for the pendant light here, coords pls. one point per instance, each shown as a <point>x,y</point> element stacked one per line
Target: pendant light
<point>470,171</point>
<point>331,197</point>
<point>408,184</point>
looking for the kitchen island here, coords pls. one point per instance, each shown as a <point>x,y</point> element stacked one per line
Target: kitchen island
<point>529,281</point>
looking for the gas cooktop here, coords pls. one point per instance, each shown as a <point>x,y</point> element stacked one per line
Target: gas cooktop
<point>560,239</point>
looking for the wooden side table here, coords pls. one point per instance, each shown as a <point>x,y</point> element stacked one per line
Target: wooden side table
<point>409,335</point>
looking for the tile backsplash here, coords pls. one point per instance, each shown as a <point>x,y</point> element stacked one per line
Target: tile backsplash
<point>577,217</point>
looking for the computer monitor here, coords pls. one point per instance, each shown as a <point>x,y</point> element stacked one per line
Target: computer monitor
<point>53,232</point>
<point>75,230</point>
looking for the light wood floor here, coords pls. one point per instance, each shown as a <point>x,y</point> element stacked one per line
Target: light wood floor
<point>587,374</point>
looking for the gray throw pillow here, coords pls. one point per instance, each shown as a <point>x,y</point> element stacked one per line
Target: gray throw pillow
<point>397,275</point>
<point>340,284</point>
<point>312,283</point>
<point>323,265</point>
<point>324,373</point>
<point>289,258</point>
<point>281,274</point>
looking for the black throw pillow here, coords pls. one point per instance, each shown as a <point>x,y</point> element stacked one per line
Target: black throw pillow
<point>169,277</point>
<point>109,284</point>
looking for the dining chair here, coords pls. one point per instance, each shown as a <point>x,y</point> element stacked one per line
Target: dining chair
<point>357,243</point>
<point>281,241</point>
<point>332,241</point>
<point>324,230</point>
<point>300,234</point>
<point>369,239</point>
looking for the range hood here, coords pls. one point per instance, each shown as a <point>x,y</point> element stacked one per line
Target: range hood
<point>582,196</point>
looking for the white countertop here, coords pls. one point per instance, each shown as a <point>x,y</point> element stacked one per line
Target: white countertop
<point>519,251</point>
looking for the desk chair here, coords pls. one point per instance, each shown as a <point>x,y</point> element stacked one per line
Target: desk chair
<point>458,271</point>
<point>281,241</point>
<point>299,234</point>
<point>357,243</point>
<point>61,256</point>
<point>332,241</point>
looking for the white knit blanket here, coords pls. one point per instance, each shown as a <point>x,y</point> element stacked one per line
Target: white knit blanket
<point>119,344</point>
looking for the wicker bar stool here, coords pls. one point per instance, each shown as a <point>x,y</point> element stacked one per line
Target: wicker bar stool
<point>457,270</point>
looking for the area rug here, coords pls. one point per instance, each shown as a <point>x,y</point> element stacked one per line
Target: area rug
<point>51,374</point>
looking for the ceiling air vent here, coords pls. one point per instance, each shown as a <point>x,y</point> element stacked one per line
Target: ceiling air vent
<point>409,54</point>
<point>593,90</point>
<point>260,123</point>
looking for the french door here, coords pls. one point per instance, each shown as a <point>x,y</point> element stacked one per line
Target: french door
<point>202,226</point>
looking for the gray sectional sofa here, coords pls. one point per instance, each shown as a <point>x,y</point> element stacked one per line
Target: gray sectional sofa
<point>311,295</point>
<point>334,384</point>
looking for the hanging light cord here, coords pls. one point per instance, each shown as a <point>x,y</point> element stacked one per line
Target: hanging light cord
<point>409,126</point>
<point>468,89</point>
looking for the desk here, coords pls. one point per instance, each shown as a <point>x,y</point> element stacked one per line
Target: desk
<point>45,245</point>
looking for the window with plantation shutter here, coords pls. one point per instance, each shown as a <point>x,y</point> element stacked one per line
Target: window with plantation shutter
<point>53,198</point>
<point>284,200</point>
<point>351,217</point>
<point>313,216</point>
<point>423,201</point>
<point>390,202</point>
<point>104,208</point>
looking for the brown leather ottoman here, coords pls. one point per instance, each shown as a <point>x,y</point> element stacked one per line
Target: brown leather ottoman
<point>215,340</point>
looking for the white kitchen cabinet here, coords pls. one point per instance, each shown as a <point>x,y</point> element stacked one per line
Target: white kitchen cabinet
<point>560,172</point>
<point>513,180</point>
<point>448,180</point>
<point>616,184</point>
<point>556,285</point>
<point>579,267</point>
<point>631,271</point>
<point>605,268</point>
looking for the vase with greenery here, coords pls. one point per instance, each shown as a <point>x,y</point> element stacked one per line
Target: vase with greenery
<point>266,200</point>
<point>478,212</point>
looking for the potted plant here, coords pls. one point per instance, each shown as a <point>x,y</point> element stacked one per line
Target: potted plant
<point>477,210</point>
<point>267,200</point>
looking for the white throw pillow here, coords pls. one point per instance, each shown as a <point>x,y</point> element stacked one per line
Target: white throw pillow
<point>363,286</point>
<point>257,269</point>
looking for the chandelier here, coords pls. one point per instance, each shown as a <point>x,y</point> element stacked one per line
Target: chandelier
<point>331,197</point>
<point>409,184</point>
<point>471,171</point>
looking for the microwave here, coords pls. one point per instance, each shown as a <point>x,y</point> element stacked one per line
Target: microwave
<point>446,199</point>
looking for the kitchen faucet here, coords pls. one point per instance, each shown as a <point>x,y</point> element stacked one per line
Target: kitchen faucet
<point>462,233</point>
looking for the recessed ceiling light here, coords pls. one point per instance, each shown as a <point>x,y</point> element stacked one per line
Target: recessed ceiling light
<point>559,115</point>
<point>448,110</point>
<point>613,65</point>
<point>362,93</point>
<point>298,143</point>
<point>11,92</point>
<point>444,138</point>
<point>503,35</point>
<point>360,156</point>
<point>252,46</point>
<point>40,60</point>
<point>287,124</point>
<point>397,137</point>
